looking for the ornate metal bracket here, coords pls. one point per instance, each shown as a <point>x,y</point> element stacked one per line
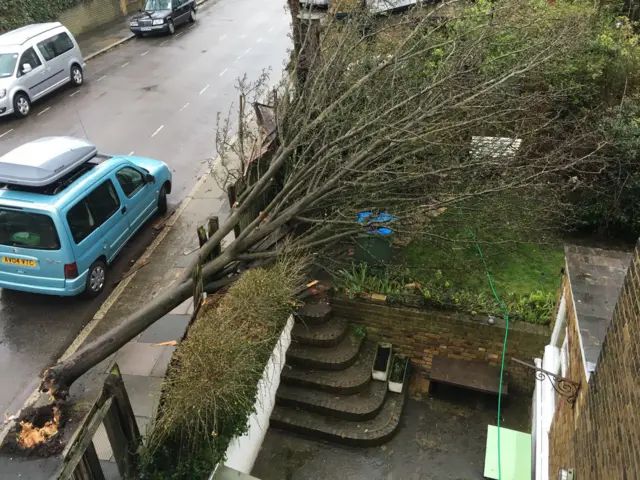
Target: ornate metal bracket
<point>563,386</point>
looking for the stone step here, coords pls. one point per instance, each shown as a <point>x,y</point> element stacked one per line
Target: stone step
<point>348,381</point>
<point>315,312</point>
<point>357,407</point>
<point>339,357</point>
<point>367,433</point>
<point>324,335</point>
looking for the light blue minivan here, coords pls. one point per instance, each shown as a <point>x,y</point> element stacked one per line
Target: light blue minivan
<point>67,210</point>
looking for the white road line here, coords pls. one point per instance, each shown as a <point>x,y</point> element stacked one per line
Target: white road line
<point>164,42</point>
<point>101,78</point>
<point>247,50</point>
<point>259,40</point>
<point>237,59</point>
<point>222,37</point>
<point>203,90</point>
<point>184,106</point>
<point>178,34</point>
<point>75,93</point>
<point>45,110</point>
<point>271,29</point>
<point>143,54</point>
<point>6,133</point>
<point>125,64</point>
<point>157,131</point>
<point>132,152</point>
<point>224,71</point>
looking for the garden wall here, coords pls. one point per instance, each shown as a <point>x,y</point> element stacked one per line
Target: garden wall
<point>421,334</point>
<point>91,14</point>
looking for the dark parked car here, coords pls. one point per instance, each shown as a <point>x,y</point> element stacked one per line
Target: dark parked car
<point>163,16</point>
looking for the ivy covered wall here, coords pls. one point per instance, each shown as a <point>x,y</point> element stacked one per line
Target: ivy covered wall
<point>17,13</point>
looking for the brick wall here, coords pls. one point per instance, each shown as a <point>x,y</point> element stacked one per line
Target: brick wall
<point>94,13</point>
<point>422,334</point>
<point>600,436</point>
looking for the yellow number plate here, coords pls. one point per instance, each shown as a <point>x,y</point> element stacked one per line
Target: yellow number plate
<point>20,262</point>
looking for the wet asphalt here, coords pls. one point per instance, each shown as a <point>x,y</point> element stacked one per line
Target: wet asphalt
<point>156,97</point>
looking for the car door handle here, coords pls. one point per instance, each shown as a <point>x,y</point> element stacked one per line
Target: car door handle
<point>124,210</point>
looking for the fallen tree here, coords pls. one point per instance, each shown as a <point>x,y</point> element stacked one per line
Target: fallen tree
<point>385,121</point>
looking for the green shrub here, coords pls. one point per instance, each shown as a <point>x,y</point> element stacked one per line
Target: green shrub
<point>17,13</point>
<point>210,390</point>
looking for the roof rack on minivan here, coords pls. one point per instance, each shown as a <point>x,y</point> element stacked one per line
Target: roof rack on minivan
<point>42,162</point>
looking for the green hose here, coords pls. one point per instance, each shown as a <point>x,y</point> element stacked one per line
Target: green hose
<point>506,332</point>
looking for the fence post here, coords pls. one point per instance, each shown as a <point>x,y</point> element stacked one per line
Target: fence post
<point>232,192</point>
<point>198,288</point>
<point>89,467</point>
<point>213,226</point>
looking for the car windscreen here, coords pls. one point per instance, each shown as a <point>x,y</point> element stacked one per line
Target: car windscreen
<point>153,5</point>
<point>28,230</point>
<point>7,64</point>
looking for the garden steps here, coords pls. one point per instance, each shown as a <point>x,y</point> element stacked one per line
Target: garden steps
<point>315,312</point>
<point>342,356</point>
<point>366,433</point>
<point>326,389</point>
<point>353,379</point>
<point>326,335</point>
<point>355,407</point>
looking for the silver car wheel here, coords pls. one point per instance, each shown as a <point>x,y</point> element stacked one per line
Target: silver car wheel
<point>172,28</point>
<point>96,280</point>
<point>193,15</point>
<point>23,106</point>
<point>77,76</point>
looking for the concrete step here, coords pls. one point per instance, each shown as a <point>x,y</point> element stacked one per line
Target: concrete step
<point>366,433</point>
<point>315,312</point>
<point>351,380</point>
<point>357,407</point>
<point>324,335</point>
<point>339,357</point>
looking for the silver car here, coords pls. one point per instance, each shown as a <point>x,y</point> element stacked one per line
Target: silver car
<point>34,61</point>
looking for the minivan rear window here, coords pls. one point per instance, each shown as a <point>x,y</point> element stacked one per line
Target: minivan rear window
<point>7,64</point>
<point>28,230</point>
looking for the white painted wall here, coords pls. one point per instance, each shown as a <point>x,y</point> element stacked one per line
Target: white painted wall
<point>242,451</point>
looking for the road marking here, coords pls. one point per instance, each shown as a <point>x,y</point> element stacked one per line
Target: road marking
<point>203,90</point>
<point>157,131</point>
<point>132,151</point>
<point>164,42</point>
<point>178,34</point>
<point>6,133</point>
<point>237,59</point>
<point>101,78</point>
<point>75,93</point>
<point>185,106</point>
<point>224,71</point>
<point>271,29</point>
<point>243,36</point>
<point>247,50</point>
<point>124,65</point>
<point>222,37</point>
<point>259,40</point>
<point>143,54</point>
<point>45,110</point>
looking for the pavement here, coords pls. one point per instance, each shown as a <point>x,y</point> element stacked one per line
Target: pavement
<point>156,97</point>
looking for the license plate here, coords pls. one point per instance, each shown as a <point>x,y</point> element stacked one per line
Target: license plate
<point>20,262</point>
<point>146,29</point>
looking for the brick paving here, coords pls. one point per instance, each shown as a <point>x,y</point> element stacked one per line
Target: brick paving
<point>315,312</point>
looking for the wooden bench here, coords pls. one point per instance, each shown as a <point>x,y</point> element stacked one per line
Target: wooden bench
<point>462,373</point>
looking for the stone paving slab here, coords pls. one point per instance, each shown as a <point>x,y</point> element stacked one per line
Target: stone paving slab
<point>170,327</point>
<point>144,393</point>
<point>137,358</point>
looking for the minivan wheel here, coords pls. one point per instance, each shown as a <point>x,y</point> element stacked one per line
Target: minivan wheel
<point>192,16</point>
<point>21,105</point>
<point>171,27</point>
<point>96,279</point>
<point>162,201</point>
<point>77,78</point>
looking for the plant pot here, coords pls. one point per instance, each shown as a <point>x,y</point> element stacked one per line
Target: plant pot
<point>382,362</point>
<point>398,374</point>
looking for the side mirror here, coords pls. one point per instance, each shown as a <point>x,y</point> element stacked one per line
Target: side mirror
<point>26,68</point>
<point>150,178</point>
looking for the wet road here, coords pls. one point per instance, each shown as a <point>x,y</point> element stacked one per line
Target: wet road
<point>157,97</point>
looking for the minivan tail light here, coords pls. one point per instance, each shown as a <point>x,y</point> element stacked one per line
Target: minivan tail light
<point>71,271</point>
